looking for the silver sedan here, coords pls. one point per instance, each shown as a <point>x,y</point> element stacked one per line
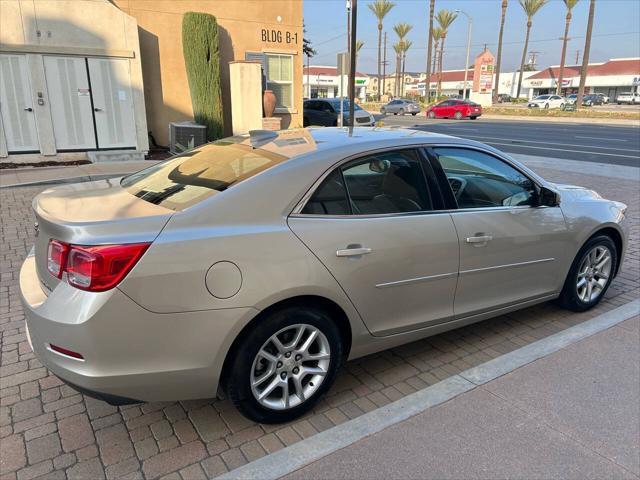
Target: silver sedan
<point>261,263</point>
<point>400,107</point>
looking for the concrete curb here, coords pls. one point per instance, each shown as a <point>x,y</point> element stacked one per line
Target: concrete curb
<point>300,454</point>
<point>57,181</point>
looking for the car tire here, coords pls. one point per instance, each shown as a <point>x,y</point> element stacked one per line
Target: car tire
<point>562,107</point>
<point>402,111</point>
<point>414,114</point>
<point>431,115</point>
<point>573,296</point>
<point>458,116</point>
<point>473,118</point>
<point>546,106</point>
<point>247,364</point>
<point>383,111</point>
<point>305,122</point>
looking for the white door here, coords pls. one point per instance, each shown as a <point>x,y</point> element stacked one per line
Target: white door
<point>16,105</point>
<point>70,98</point>
<point>112,102</point>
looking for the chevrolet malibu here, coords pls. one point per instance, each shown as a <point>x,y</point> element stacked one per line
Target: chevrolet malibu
<point>261,263</point>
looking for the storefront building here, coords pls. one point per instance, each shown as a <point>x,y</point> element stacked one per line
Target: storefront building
<point>70,82</point>
<point>324,82</point>
<point>611,78</point>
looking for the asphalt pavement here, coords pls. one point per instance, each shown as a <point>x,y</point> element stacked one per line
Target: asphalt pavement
<point>613,145</point>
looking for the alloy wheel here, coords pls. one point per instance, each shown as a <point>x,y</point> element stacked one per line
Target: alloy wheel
<point>594,273</point>
<point>290,367</point>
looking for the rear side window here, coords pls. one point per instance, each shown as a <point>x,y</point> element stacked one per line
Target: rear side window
<point>385,183</point>
<point>198,174</point>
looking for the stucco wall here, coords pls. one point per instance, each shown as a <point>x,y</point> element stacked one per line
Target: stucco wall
<point>71,27</point>
<point>241,23</point>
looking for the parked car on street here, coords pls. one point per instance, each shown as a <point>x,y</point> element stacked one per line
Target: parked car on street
<point>261,263</point>
<point>457,109</point>
<point>400,107</point>
<point>504,98</point>
<point>547,102</point>
<point>605,98</point>
<point>629,98</point>
<point>325,112</point>
<point>571,99</point>
<point>591,100</point>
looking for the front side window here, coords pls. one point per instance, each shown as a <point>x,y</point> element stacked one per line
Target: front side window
<point>384,183</point>
<point>479,180</point>
<point>280,78</point>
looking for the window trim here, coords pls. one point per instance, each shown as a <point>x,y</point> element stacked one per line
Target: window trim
<point>282,109</point>
<point>433,158</point>
<point>420,156</point>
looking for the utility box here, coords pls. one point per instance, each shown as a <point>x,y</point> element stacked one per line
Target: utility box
<point>245,78</point>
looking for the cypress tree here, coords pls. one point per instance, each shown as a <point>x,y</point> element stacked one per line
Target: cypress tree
<point>202,61</point>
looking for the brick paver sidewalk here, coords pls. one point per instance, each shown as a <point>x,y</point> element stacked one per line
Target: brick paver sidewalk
<point>46,428</point>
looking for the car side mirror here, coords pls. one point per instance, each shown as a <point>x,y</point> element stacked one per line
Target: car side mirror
<point>548,198</point>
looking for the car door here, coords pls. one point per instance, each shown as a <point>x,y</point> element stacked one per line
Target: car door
<point>511,250</point>
<point>377,227</point>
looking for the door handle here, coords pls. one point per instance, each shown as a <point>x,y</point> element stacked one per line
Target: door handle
<point>353,251</point>
<point>28,109</point>
<point>479,239</point>
<point>97,109</point>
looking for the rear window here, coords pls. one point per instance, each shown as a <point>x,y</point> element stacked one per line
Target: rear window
<point>198,174</point>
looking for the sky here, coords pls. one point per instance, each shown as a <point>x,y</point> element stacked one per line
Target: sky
<point>616,31</point>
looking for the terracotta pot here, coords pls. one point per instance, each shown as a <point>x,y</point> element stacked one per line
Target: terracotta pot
<point>269,103</point>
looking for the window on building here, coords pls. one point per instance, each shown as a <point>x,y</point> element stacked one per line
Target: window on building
<point>280,78</point>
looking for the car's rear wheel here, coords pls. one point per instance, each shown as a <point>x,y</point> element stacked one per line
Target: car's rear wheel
<point>414,114</point>
<point>285,364</point>
<point>473,118</point>
<point>383,111</point>
<point>590,275</point>
<point>562,106</point>
<point>305,122</point>
<point>458,115</point>
<point>546,106</point>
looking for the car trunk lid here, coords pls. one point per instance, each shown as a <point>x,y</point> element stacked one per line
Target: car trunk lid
<point>92,213</point>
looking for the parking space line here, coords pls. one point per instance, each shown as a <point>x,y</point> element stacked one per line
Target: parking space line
<point>601,138</point>
<point>304,452</point>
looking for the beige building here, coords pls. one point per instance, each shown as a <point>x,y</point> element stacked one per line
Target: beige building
<point>266,30</point>
<point>70,81</point>
<point>97,76</point>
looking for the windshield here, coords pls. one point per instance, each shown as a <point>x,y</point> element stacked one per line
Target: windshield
<point>198,174</point>
<point>542,97</point>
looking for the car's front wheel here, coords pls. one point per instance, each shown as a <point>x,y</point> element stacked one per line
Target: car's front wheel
<point>590,275</point>
<point>383,111</point>
<point>285,364</point>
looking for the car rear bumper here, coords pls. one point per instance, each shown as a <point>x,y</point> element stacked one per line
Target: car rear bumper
<point>130,354</point>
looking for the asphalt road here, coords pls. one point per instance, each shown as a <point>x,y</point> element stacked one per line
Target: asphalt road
<point>614,145</point>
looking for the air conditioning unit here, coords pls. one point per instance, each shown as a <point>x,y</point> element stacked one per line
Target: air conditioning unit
<point>185,136</point>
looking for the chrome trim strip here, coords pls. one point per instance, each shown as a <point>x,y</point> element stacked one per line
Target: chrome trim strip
<point>415,280</point>
<point>509,265</point>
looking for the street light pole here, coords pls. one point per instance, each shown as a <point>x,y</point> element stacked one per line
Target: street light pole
<point>466,63</point>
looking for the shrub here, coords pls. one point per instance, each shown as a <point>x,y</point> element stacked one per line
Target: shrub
<point>202,61</point>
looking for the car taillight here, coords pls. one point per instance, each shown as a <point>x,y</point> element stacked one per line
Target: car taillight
<point>97,268</point>
<point>56,257</point>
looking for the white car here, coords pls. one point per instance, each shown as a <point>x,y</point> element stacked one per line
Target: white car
<point>628,97</point>
<point>547,101</point>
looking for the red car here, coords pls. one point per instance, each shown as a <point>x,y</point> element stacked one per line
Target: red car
<point>455,109</point>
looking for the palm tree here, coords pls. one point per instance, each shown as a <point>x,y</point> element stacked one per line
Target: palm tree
<point>398,48</point>
<point>530,8</point>
<point>499,57</point>
<point>406,45</point>
<point>569,4</point>
<point>380,8</point>
<point>585,55</point>
<point>444,18</point>
<point>359,45</point>
<point>437,34</point>
<point>402,30</point>
<point>432,6</point>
